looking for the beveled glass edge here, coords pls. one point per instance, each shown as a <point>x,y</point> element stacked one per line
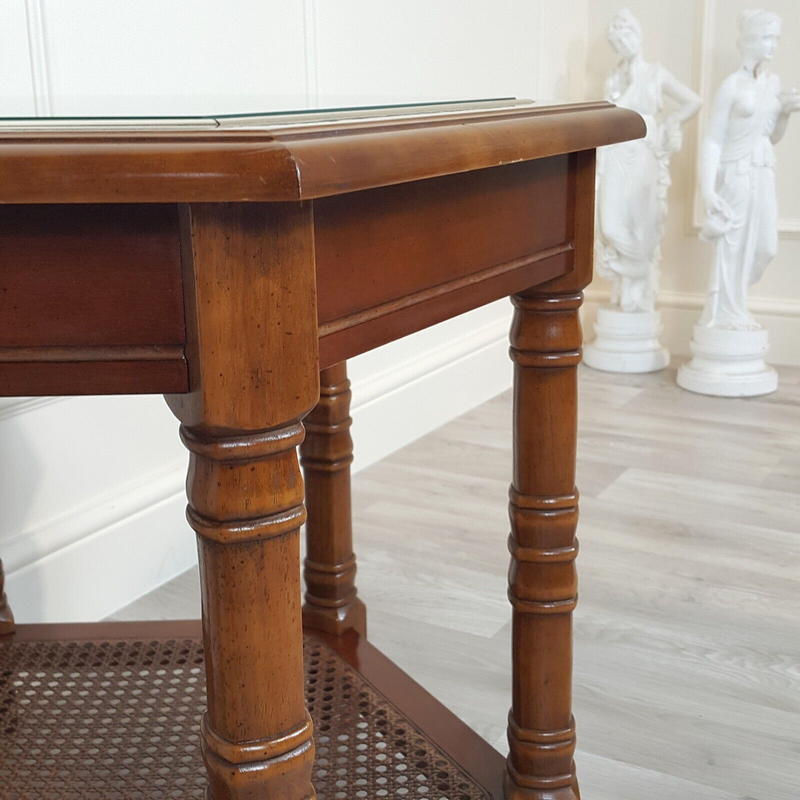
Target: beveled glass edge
<point>256,120</point>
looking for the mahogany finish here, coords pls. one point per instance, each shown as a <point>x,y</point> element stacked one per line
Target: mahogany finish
<point>253,357</point>
<point>70,374</point>
<point>483,234</point>
<point>200,279</point>
<point>123,290</point>
<point>546,350</point>
<point>294,162</point>
<point>330,565</point>
<point>456,225</point>
<point>90,299</point>
<point>6,617</point>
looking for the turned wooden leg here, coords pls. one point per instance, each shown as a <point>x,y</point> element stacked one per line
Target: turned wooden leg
<point>6,617</point>
<point>545,348</point>
<point>250,305</point>
<point>246,505</point>
<point>330,567</point>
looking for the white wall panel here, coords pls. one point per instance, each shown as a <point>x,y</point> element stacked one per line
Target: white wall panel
<point>16,86</point>
<point>449,48</point>
<point>175,57</point>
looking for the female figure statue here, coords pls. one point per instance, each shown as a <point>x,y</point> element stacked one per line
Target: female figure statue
<point>633,179</point>
<point>737,181</point>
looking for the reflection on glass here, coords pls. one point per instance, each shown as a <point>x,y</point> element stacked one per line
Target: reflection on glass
<point>281,111</point>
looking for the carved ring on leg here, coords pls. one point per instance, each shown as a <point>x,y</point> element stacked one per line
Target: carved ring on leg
<point>272,763</point>
<point>543,511</point>
<point>248,539</point>
<point>331,601</point>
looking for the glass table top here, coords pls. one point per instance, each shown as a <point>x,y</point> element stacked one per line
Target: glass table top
<point>285,113</point>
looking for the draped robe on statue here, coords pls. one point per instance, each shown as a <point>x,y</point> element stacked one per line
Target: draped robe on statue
<point>633,178</point>
<point>748,240</point>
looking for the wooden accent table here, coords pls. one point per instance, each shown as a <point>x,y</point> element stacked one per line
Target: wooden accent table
<point>234,266</point>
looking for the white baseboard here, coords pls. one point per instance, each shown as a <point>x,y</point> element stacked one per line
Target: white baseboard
<point>117,551</point>
<point>680,311</point>
<point>432,385</point>
<point>107,551</point>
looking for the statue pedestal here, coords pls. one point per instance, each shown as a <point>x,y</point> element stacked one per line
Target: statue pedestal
<point>626,341</point>
<point>728,363</point>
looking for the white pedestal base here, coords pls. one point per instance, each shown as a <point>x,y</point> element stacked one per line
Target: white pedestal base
<point>626,341</point>
<point>728,363</point>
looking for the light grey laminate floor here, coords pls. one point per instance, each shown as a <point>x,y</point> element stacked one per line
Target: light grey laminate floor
<point>687,664</point>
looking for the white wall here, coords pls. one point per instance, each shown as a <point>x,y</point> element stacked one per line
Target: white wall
<point>696,40</point>
<point>92,488</point>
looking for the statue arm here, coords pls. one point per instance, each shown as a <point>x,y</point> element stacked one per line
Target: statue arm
<point>711,150</point>
<point>670,134</point>
<point>689,102</point>
<point>612,86</point>
<point>780,127</point>
<point>790,102</point>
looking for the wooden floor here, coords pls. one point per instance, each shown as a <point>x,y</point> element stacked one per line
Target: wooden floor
<point>687,681</point>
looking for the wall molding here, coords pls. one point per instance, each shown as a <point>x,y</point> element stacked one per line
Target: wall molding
<point>414,396</point>
<point>400,375</point>
<point>543,62</point>
<point>788,227</point>
<point>681,310</point>
<point>93,560</point>
<point>100,513</point>
<point>690,301</point>
<point>39,58</point>
<point>311,52</point>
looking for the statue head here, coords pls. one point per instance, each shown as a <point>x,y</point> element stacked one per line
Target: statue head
<point>625,34</point>
<point>759,32</point>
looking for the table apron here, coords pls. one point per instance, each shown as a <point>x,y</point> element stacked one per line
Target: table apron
<point>93,297</point>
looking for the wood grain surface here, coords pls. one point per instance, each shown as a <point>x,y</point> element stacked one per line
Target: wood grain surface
<point>331,601</point>
<point>543,508</point>
<point>304,162</point>
<point>394,260</point>
<point>252,345</point>
<point>91,300</point>
<point>90,276</point>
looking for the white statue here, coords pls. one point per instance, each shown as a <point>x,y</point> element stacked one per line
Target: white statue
<point>737,182</point>
<point>633,178</point>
